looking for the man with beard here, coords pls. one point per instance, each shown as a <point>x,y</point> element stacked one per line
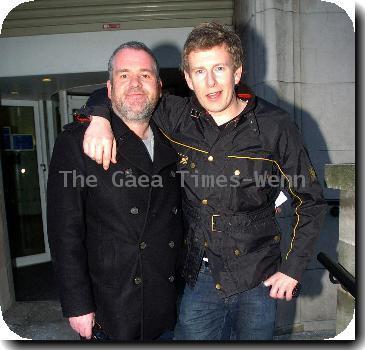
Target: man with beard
<point>115,262</point>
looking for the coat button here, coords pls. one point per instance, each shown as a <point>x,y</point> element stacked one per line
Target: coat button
<point>237,252</point>
<point>138,280</point>
<point>205,244</point>
<point>277,238</point>
<point>218,286</point>
<point>171,279</point>
<point>172,173</point>
<point>134,211</point>
<point>185,241</point>
<point>143,245</point>
<point>192,165</point>
<point>174,210</point>
<point>237,172</point>
<point>171,244</point>
<point>128,171</point>
<point>210,158</point>
<point>205,201</point>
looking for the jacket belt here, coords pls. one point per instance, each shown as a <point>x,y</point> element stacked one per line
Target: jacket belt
<point>219,221</point>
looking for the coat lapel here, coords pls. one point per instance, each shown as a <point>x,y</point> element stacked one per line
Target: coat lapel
<point>130,147</point>
<point>164,154</point>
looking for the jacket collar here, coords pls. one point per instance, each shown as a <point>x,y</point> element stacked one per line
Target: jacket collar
<point>131,147</point>
<point>243,92</point>
<point>120,129</point>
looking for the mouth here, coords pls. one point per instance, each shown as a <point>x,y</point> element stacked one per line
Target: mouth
<point>133,94</point>
<point>213,96</point>
<point>136,97</point>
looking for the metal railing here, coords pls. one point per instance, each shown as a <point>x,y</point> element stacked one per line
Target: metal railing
<point>338,274</point>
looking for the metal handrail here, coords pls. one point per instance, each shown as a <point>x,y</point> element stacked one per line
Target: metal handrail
<point>338,274</point>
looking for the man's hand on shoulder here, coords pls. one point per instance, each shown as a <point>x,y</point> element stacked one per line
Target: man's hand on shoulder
<point>99,142</point>
<point>83,324</point>
<point>282,286</point>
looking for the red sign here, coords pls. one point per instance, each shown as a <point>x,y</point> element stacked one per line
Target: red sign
<point>108,26</point>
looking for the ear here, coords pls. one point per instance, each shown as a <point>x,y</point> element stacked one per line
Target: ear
<point>188,80</point>
<point>237,75</point>
<point>109,87</point>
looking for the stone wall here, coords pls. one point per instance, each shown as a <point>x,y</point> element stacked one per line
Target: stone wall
<point>300,55</point>
<point>342,177</point>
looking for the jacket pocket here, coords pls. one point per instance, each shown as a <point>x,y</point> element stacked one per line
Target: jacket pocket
<point>255,237</point>
<point>253,184</point>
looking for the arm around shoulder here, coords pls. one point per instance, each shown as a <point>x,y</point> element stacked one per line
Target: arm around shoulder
<point>98,104</point>
<point>99,143</point>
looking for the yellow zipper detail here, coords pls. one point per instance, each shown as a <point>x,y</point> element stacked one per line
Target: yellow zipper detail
<point>290,190</point>
<point>183,144</point>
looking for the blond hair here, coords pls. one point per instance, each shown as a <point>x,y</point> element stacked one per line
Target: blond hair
<point>208,35</point>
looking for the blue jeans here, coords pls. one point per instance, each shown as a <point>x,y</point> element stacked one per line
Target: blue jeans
<point>204,315</point>
<point>166,336</point>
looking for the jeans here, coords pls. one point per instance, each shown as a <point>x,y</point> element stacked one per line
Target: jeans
<point>166,336</point>
<point>204,315</point>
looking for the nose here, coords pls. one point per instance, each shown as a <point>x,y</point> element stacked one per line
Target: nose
<point>211,79</point>
<point>135,81</point>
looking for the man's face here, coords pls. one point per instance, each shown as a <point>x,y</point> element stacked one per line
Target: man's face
<point>135,88</point>
<point>212,77</point>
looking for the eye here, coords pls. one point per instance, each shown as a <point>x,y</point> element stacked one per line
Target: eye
<point>199,71</point>
<point>124,76</point>
<point>220,68</point>
<point>146,76</point>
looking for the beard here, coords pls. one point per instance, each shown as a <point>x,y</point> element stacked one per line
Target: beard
<point>134,111</point>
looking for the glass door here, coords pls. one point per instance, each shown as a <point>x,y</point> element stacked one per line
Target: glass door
<point>25,166</point>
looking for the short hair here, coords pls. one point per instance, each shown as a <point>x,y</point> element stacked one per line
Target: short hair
<point>132,45</point>
<point>210,34</point>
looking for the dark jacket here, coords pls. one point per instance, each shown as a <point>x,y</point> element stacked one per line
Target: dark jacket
<point>115,248</point>
<point>229,181</point>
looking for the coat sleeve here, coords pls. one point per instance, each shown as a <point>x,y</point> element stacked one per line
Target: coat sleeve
<point>167,115</point>
<point>306,192</point>
<point>98,104</point>
<point>66,226</point>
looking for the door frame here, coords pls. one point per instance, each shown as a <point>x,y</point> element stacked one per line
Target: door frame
<point>41,147</point>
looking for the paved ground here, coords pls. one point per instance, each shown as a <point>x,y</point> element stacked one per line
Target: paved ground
<point>42,320</point>
<point>39,320</point>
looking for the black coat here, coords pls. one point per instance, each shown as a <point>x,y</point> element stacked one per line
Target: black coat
<point>115,249</point>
